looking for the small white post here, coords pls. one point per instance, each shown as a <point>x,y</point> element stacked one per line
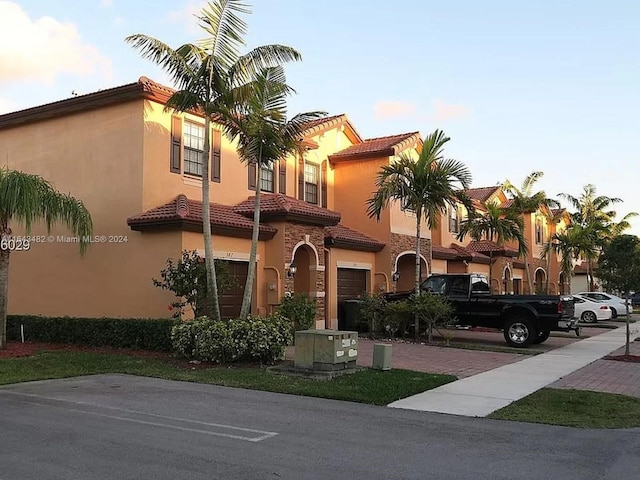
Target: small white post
<point>22,332</point>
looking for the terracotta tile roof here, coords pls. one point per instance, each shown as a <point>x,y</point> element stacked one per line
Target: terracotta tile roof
<point>341,236</point>
<point>462,251</point>
<point>182,213</point>
<point>285,208</point>
<point>330,120</point>
<point>316,127</point>
<point>507,203</point>
<point>481,194</point>
<point>581,268</point>
<point>443,253</point>
<point>487,246</point>
<point>381,146</point>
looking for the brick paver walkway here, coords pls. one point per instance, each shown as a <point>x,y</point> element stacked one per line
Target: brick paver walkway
<point>606,376</point>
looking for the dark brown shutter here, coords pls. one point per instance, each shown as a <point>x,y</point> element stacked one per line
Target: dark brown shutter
<point>282,176</point>
<point>324,184</point>
<point>176,144</point>
<point>251,169</point>
<point>215,156</point>
<point>301,179</point>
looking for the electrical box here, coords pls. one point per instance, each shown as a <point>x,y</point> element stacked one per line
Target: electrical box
<point>326,349</point>
<point>381,356</point>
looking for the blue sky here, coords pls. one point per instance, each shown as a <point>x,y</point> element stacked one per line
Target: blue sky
<point>518,86</point>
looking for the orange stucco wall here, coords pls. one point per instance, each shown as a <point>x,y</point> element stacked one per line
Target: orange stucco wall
<point>96,156</point>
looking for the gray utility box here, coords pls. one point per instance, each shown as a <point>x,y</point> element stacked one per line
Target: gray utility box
<point>381,356</point>
<point>326,349</point>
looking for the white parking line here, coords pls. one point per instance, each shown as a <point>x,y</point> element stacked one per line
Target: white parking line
<point>258,436</point>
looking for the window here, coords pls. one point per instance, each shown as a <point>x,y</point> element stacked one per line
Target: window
<point>266,178</point>
<point>311,177</point>
<point>193,148</point>
<point>539,231</point>
<point>454,220</point>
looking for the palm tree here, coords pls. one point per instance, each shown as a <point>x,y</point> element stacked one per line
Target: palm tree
<point>496,225</point>
<point>596,218</point>
<point>524,201</point>
<point>570,245</point>
<point>202,73</point>
<point>425,186</point>
<point>264,135</point>
<point>28,199</point>
<point>553,216</point>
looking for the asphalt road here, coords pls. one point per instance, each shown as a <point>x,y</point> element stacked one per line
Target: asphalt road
<point>123,427</point>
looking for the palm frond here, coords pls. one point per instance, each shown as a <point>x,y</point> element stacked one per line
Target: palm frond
<point>222,21</point>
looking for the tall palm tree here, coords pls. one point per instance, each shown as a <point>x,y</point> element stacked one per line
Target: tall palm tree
<point>496,225</point>
<point>425,186</point>
<point>265,135</point>
<point>570,245</point>
<point>553,216</point>
<point>526,201</point>
<point>202,72</point>
<point>27,199</point>
<point>595,216</point>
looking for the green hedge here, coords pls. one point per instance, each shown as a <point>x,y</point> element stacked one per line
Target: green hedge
<point>253,340</point>
<point>135,333</point>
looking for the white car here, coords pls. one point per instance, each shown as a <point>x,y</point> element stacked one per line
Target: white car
<point>616,304</point>
<point>590,311</point>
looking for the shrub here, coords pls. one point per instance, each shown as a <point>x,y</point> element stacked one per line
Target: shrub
<point>397,317</point>
<point>300,309</point>
<point>372,309</point>
<point>433,311</point>
<point>135,333</point>
<point>254,339</point>
<point>187,279</point>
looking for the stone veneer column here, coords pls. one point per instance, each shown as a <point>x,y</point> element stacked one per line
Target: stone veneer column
<point>294,233</point>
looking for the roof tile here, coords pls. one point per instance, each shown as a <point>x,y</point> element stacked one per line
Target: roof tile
<point>182,211</point>
<point>342,236</point>
<point>481,194</point>
<point>385,146</point>
<point>282,207</point>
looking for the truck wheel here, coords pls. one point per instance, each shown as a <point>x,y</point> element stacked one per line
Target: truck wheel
<point>519,332</point>
<point>589,317</point>
<point>542,337</point>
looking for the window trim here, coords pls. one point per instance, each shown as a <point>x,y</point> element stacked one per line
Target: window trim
<point>271,169</point>
<point>186,148</point>
<point>318,192</point>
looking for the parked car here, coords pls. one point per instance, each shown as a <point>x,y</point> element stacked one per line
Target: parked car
<point>616,304</point>
<point>589,310</point>
<point>635,299</point>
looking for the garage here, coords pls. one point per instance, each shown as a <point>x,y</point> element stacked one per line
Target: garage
<point>231,299</point>
<point>351,284</point>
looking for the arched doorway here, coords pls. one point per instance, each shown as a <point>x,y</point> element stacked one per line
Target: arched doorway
<point>506,281</point>
<point>304,259</point>
<point>405,271</point>
<point>539,280</point>
<point>562,286</point>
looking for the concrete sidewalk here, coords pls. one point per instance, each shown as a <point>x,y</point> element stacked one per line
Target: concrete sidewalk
<point>482,394</point>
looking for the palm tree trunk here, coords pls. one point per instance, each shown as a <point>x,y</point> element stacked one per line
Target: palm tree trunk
<point>548,266</point>
<point>248,287</point>
<point>491,270</point>
<point>528,274</point>
<point>4,293</point>
<point>626,345</point>
<point>590,275</point>
<point>212,285</point>
<point>416,320</point>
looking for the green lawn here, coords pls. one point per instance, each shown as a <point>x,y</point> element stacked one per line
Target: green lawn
<point>574,408</point>
<point>368,386</point>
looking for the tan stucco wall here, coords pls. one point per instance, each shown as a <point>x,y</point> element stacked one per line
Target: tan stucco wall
<point>96,156</point>
<point>438,266</point>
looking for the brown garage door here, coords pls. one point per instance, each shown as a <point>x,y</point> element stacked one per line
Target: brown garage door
<point>351,283</point>
<point>231,299</point>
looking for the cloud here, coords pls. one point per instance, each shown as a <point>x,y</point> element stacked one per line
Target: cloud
<point>448,111</point>
<point>186,15</point>
<point>106,3</point>
<point>385,110</point>
<point>118,21</point>
<point>41,49</point>
<point>7,106</point>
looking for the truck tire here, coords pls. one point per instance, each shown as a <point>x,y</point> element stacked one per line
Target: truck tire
<point>542,337</point>
<point>519,332</point>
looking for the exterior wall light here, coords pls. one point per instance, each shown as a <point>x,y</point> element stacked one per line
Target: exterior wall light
<point>396,276</point>
<point>292,270</point>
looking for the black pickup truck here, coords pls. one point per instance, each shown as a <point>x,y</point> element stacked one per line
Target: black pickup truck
<point>525,319</point>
